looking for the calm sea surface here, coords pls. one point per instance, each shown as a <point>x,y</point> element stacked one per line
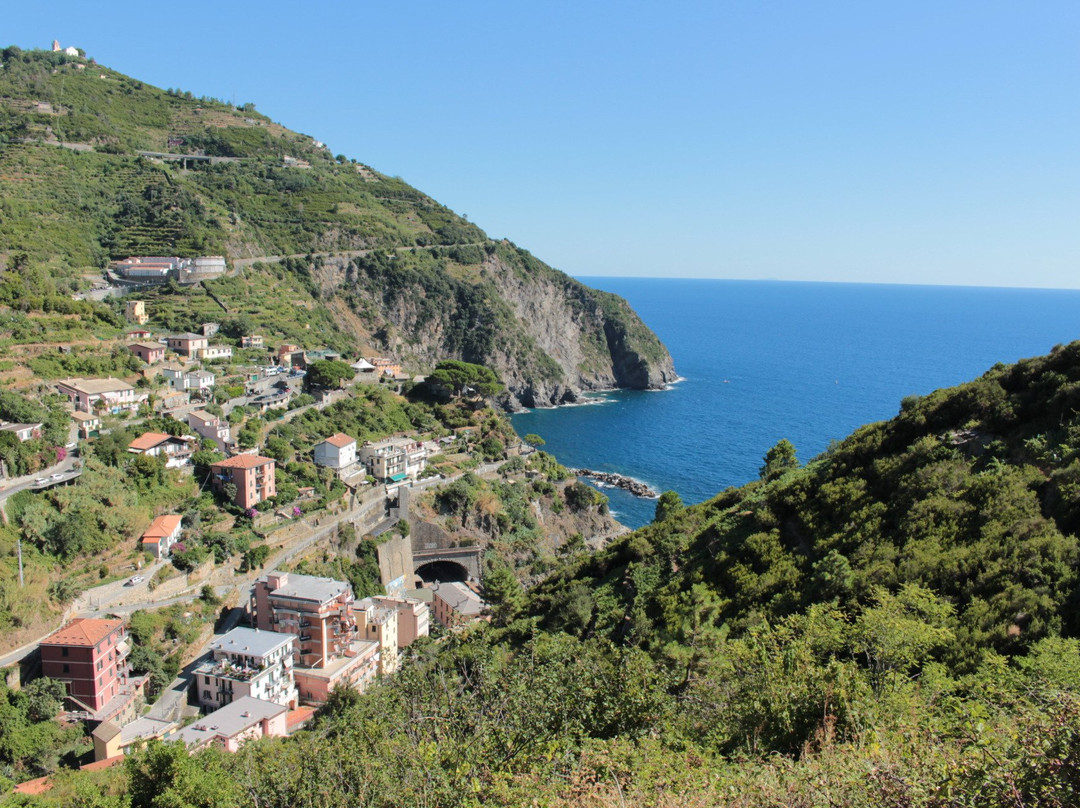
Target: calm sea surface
<point>765,360</point>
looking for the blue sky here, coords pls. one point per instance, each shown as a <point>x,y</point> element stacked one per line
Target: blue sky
<point>901,143</point>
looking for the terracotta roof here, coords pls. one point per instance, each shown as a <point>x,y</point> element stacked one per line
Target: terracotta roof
<point>107,763</point>
<point>340,440</point>
<point>298,717</point>
<point>153,346</point>
<point>84,631</point>
<point>38,786</point>
<point>242,462</point>
<point>161,527</point>
<point>148,440</point>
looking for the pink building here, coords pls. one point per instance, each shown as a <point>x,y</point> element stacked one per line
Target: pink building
<point>90,657</point>
<point>187,344</point>
<point>149,352</point>
<point>245,719</point>
<point>92,395</point>
<point>252,475</point>
<point>413,618</point>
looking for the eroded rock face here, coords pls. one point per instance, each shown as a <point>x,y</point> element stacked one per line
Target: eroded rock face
<point>549,337</point>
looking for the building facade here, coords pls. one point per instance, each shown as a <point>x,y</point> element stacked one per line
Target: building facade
<point>248,662</point>
<point>252,475</point>
<point>90,657</point>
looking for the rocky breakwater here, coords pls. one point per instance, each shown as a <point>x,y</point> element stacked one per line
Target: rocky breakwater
<point>628,484</point>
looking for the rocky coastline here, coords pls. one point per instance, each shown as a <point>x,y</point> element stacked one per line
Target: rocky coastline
<point>628,484</point>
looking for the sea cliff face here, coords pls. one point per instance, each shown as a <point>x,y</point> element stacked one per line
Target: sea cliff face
<point>549,337</point>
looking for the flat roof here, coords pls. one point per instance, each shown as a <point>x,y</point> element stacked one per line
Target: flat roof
<point>242,462</point>
<point>96,386</point>
<point>309,587</point>
<point>230,720</point>
<point>251,641</point>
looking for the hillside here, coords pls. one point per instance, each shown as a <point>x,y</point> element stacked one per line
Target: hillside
<point>892,624</point>
<point>398,272</point>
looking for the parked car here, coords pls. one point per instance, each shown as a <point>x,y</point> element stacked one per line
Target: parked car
<point>135,579</point>
<point>41,480</point>
<point>56,476</point>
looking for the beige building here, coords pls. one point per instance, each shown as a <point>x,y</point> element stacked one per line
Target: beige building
<point>135,310</point>
<point>413,618</point>
<point>376,622</point>
<point>393,459</point>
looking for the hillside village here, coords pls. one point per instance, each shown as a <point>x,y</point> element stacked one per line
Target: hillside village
<point>241,439</point>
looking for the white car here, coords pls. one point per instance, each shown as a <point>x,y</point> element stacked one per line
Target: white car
<point>57,476</point>
<point>41,480</point>
<point>136,579</point>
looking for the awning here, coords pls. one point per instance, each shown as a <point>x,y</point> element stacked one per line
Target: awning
<point>398,477</point>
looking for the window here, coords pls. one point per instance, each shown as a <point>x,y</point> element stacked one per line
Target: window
<point>67,668</point>
<point>63,652</point>
<point>206,695</point>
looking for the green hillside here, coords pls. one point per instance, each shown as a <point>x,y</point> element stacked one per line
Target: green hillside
<point>96,166</point>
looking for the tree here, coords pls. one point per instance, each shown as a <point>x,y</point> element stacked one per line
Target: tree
<point>534,440</point>
<point>464,378</point>
<point>779,459</point>
<point>44,698</point>
<point>503,592</point>
<point>328,373</point>
<point>669,504</point>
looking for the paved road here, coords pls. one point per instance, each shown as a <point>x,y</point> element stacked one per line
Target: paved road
<point>59,474</point>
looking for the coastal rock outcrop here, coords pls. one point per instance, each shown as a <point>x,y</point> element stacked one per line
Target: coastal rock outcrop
<point>548,336</point>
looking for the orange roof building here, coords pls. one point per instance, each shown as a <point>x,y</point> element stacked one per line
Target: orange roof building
<point>162,534</point>
<point>89,656</point>
<point>252,475</point>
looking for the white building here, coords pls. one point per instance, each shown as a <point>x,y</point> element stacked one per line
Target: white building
<point>394,459</point>
<point>248,662</point>
<point>336,452</point>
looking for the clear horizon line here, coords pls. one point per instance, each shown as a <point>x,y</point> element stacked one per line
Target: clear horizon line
<point>832,282</point>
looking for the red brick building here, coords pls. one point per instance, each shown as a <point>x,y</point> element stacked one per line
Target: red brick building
<point>90,657</point>
<point>252,475</point>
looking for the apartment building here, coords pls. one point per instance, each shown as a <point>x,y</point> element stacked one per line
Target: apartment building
<point>378,623</point>
<point>318,611</point>
<point>248,662</point>
<point>252,475</point>
<point>413,618</point>
<point>89,656</point>
<point>393,459</point>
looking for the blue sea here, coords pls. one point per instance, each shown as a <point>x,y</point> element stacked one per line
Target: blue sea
<point>764,360</point>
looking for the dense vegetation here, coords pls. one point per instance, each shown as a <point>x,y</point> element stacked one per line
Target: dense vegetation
<point>892,624</point>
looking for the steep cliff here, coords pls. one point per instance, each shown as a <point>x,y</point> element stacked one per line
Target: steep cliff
<point>549,337</point>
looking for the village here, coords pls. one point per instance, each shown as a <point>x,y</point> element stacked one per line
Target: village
<point>289,640</point>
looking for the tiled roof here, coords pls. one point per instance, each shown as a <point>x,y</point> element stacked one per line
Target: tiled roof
<point>242,462</point>
<point>84,631</point>
<point>148,440</point>
<point>340,440</point>
<point>162,526</point>
<point>151,346</point>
